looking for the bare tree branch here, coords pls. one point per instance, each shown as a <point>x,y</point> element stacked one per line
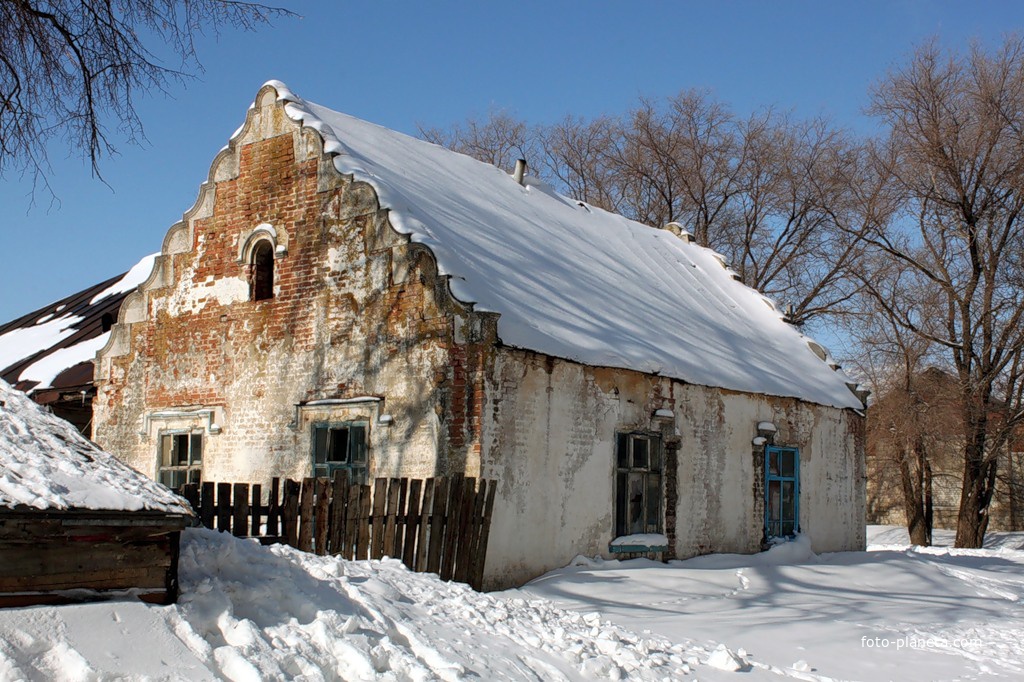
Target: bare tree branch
<point>70,68</point>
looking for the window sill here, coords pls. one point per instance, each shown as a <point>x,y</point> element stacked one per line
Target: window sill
<point>640,543</point>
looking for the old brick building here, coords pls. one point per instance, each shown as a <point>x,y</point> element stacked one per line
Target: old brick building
<point>343,296</point>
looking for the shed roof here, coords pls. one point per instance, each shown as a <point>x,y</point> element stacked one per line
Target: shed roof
<point>46,464</point>
<point>572,280</point>
<point>53,347</point>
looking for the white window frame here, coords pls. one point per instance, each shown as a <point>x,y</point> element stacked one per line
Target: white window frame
<point>192,464</point>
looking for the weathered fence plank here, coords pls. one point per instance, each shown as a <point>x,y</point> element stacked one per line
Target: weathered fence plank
<point>274,508</point>
<point>306,515</point>
<point>397,550</point>
<point>412,519</point>
<point>435,540</point>
<point>475,529</point>
<point>462,553</point>
<point>257,511</point>
<point>352,520</point>
<point>451,528</point>
<point>424,525</point>
<point>380,498</point>
<point>240,510</point>
<point>190,491</point>
<point>206,505</point>
<point>485,532</point>
<point>391,518</point>
<point>321,515</point>
<point>224,507</point>
<point>363,544</point>
<point>339,498</point>
<point>290,513</point>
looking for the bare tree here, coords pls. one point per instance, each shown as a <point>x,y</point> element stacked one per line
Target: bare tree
<point>956,156</point>
<point>577,157</point>
<point>780,199</point>
<point>679,161</point>
<point>784,201</point>
<point>70,68</point>
<point>911,413</point>
<point>500,139</point>
<point>804,197</point>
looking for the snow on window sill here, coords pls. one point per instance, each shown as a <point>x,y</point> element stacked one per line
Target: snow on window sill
<point>640,542</point>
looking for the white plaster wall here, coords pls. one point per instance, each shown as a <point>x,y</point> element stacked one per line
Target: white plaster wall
<point>549,442</point>
<point>717,505</point>
<point>832,478</point>
<point>552,458</point>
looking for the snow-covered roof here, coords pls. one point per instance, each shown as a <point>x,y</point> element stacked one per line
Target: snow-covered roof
<point>572,280</point>
<point>38,348</point>
<point>45,463</point>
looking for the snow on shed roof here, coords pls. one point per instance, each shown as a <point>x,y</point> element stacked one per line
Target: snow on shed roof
<point>37,350</point>
<point>575,281</point>
<point>45,463</point>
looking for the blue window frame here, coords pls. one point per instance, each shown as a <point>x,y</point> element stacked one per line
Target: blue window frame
<point>338,446</point>
<point>781,491</point>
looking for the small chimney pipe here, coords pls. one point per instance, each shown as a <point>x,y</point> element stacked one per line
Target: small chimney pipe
<point>520,172</point>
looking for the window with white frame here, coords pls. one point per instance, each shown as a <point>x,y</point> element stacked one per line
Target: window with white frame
<point>181,458</point>
<point>637,484</point>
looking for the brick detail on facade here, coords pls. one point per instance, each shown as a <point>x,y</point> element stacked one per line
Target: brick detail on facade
<point>357,310</point>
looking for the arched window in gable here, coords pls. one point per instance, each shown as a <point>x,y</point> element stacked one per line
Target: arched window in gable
<point>262,276</point>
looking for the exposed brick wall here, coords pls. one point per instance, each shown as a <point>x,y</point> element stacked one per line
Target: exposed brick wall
<point>357,311</point>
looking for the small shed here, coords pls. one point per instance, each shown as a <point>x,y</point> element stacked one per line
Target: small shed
<point>75,523</point>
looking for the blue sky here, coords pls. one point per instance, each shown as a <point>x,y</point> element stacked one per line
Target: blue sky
<point>400,64</point>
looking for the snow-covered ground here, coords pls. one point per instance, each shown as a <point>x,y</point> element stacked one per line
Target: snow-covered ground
<point>891,613</point>
<point>249,612</point>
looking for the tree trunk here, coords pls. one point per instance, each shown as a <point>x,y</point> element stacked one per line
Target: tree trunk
<point>976,493</point>
<point>918,525</point>
<point>924,490</point>
<point>1013,489</point>
<point>929,516</point>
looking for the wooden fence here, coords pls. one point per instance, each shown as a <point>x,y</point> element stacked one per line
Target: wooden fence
<point>437,525</point>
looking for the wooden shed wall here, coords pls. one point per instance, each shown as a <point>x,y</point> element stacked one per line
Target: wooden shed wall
<point>54,557</point>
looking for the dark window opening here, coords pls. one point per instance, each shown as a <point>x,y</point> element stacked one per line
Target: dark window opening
<point>181,459</point>
<point>262,271</point>
<point>637,484</point>
<point>340,447</point>
<point>107,321</point>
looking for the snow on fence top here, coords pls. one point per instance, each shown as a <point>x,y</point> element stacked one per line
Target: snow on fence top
<point>572,280</point>
<point>46,464</point>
